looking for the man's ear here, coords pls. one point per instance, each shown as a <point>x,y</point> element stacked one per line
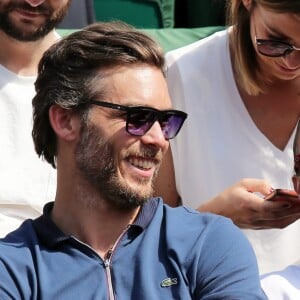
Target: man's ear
<point>65,122</point>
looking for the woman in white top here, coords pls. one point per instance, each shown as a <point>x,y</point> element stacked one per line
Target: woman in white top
<point>241,89</point>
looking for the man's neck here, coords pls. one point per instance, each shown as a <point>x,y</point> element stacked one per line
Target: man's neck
<point>92,220</point>
<point>22,58</point>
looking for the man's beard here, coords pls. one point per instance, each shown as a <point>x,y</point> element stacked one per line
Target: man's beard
<point>53,18</point>
<point>95,160</point>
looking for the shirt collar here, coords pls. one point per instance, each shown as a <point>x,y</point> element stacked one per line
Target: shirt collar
<point>52,236</point>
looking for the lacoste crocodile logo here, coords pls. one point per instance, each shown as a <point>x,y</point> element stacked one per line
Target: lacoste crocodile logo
<point>168,282</point>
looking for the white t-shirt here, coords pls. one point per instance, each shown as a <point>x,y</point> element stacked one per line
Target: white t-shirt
<point>26,181</point>
<point>282,285</point>
<point>220,144</point>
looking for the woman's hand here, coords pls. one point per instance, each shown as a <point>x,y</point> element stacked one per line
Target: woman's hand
<point>244,203</point>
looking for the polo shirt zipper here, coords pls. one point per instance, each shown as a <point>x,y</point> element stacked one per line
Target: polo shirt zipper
<point>107,264</point>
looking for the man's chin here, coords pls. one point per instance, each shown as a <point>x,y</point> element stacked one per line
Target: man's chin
<point>141,187</point>
<point>127,202</point>
<point>29,33</point>
<point>137,196</point>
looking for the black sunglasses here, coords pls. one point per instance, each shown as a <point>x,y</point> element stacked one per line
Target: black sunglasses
<point>274,48</point>
<point>139,119</point>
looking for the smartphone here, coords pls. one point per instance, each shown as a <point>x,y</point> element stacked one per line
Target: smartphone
<point>283,195</point>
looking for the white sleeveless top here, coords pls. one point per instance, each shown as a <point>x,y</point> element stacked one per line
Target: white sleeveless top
<point>220,144</point>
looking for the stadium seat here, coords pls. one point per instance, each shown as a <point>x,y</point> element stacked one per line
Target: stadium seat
<point>139,13</point>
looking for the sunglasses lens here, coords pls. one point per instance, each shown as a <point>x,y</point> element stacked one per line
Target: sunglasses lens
<point>171,125</point>
<point>273,48</point>
<point>139,121</point>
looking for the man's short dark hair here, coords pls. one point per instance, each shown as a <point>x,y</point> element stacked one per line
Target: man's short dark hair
<point>68,69</point>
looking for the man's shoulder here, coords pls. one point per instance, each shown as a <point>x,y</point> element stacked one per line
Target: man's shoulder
<point>18,248</point>
<point>213,247</point>
<point>19,239</point>
<point>204,229</point>
<point>17,260</point>
<point>199,226</point>
<point>190,216</point>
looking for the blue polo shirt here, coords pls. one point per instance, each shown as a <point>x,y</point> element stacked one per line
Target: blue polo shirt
<point>168,253</point>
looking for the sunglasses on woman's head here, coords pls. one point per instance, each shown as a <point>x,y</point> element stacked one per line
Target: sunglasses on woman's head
<point>139,119</point>
<point>274,48</point>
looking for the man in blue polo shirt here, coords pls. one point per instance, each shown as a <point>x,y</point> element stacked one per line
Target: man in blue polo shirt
<point>103,118</point>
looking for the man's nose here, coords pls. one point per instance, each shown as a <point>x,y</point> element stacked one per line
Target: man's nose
<point>155,136</point>
<point>34,3</point>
